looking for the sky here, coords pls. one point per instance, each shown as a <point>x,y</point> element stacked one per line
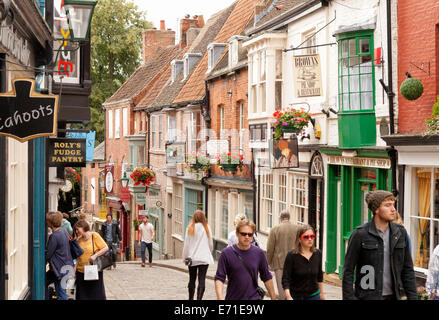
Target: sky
<point>171,10</point>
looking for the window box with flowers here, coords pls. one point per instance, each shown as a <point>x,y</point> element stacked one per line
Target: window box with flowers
<point>291,120</point>
<point>230,162</point>
<point>198,162</point>
<point>142,176</point>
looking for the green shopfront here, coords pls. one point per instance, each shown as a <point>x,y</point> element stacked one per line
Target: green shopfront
<point>351,175</point>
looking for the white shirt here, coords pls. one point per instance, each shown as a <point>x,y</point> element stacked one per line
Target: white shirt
<point>146,231</point>
<point>198,247</point>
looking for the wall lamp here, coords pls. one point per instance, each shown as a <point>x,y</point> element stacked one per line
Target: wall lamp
<point>79,14</point>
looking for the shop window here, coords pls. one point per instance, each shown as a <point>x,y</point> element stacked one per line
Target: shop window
<point>267,200</point>
<point>299,198</point>
<point>212,212</point>
<point>424,224</point>
<point>177,204</point>
<point>225,215</point>
<point>282,191</point>
<point>258,132</point>
<point>356,73</point>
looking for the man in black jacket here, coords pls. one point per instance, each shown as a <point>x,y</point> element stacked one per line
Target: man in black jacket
<point>110,232</point>
<point>379,252</point>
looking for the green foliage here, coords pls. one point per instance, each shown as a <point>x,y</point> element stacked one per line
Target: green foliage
<point>436,107</point>
<point>432,124</point>
<point>116,48</point>
<point>411,88</point>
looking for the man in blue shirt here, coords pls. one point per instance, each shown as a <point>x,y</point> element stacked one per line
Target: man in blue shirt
<point>110,232</point>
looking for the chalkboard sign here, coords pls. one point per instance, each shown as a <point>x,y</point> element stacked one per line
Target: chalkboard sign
<point>66,152</point>
<point>26,114</point>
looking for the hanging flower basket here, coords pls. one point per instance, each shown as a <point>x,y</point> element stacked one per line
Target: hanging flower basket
<point>71,174</point>
<point>229,162</point>
<point>291,121</point>
<point>198,162</point>
<point>411,88</point>
<point>142,176</point>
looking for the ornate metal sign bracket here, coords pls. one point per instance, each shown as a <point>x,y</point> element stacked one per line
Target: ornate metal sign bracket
<point>424,67</point>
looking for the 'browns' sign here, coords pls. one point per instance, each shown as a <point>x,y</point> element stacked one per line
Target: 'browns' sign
<point>26,114</point>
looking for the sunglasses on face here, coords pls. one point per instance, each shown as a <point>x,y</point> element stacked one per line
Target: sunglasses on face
<point>308,236</point>
<point>246,234</point>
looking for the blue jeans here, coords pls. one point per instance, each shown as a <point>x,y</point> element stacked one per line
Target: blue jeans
<point>143,247</point>
<point>60,291</point>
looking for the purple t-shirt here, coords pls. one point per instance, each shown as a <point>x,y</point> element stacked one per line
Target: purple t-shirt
<point>240,284</point>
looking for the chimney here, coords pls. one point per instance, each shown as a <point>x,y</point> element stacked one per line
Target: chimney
<point>154,39</point>
<point>185,24</point>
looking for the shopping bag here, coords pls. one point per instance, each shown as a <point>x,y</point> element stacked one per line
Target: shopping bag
<point>91,272</point>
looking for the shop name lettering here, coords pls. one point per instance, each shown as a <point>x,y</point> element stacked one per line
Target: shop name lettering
<point>67,152</point>
<point>25,117</point>
<point>362,162</point>
<point>64,66</point>
<point>306,61</point>
<point>16,45</point>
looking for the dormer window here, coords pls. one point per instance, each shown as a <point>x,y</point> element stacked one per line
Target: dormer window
<point>190,61</point>
<point>235,45</point>
<point>176,67</point>
<point>214,51</point>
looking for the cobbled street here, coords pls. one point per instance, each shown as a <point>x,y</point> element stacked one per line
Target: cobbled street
<point>129,281</point>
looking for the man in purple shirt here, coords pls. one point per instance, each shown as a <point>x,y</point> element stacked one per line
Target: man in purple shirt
<point>241,285</point>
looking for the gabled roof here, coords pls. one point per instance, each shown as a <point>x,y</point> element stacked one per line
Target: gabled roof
<point>144,76</point>
<point>235,24</point>
<point>99,152</point>
<point>169,89</point>
<point>275,8</point>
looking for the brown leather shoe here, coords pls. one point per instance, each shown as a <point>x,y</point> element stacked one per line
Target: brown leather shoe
<point>143,265</point>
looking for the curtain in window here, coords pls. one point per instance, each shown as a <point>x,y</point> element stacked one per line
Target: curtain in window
<point>422,250</point>
<point>359,83</point>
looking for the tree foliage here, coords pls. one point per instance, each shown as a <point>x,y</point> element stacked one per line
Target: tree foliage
<point>116,51</point>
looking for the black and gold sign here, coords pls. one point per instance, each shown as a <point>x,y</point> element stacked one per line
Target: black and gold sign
<point>66,152</point>
<point>26,114</point>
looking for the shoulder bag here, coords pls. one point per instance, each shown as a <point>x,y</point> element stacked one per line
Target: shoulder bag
<point>104,261</point>
<point>75,249</point>
<point>260,291</point>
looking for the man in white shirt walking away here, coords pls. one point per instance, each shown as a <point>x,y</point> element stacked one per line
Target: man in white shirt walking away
<point>145,236</point>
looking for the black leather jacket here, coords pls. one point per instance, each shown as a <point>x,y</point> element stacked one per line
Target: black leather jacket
<point>115,232</point>
<point>366,248</point>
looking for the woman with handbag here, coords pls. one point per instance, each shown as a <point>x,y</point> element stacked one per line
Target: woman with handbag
<point>302,277</point>
<point>197,252</point>
<point>93,246</point>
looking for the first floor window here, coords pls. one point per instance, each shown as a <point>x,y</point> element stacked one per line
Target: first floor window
<point>177,227</point>
<point>225,215</point>
<point>299,196</point>
<point>267,200</point>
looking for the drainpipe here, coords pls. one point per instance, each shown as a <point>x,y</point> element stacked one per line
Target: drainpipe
<point>148,115</point>
<point>391,95</point>
<point>208,126</point>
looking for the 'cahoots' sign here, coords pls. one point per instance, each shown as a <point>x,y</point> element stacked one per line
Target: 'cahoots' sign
<point>26,114</point>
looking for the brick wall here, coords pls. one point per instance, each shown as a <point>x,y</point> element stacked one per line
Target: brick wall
<point>219,95</point>
<point>418,42</point>
<point>153,39</point>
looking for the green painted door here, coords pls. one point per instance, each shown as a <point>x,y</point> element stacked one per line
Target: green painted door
<point>194,200</point>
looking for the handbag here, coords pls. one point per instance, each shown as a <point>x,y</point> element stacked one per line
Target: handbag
<point>104,261</point>
<point>75,249</point>
<point>259,290</point>
<point>188,262</point>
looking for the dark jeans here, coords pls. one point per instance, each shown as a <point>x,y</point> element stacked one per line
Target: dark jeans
<point>112,249</point>
<point>315,297</point>
<point>145,245</point>
<point>202,271</point>
<point>60,291</point>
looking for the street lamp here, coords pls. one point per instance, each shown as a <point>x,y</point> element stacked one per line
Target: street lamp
<point>124,181</point>
<point>79,14</point>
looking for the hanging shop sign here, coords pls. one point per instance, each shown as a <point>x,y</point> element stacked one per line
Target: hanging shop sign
<point>63,152</point>
<point>16,45</point>
<point>141,199</point>
<point>307,75</point>
<point>125,194</point>
<point>26,114</point>
<point>90,137</point>
<point>284,153</point>
<point>109,179</point>
<point>359,162</point>
<point>175,153</point>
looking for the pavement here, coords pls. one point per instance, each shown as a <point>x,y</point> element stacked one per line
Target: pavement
<point>168,279</point>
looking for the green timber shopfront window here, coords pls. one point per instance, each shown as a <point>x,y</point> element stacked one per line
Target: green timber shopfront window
<point>347,209</point>
<point>356,88</point>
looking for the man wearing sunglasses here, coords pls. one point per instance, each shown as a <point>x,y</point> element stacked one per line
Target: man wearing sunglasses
<point>280,240</point>
<point>241,264</point>
<point>379,251</point>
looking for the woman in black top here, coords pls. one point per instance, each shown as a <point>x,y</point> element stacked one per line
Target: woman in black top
<point>302,277</point>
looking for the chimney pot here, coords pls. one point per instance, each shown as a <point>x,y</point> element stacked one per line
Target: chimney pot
<point>162,25</point>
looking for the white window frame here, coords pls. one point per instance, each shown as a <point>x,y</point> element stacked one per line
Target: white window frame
<point>153,132</point>
<point>267,196</point>
<point>298,192</point>
<point>171,128</point>
<point>125,121</point>
<point>312,41</point>
<point>117,124</point>
<point>160,132</point>
<point>110,124</point>
<point>241,126</point>
<point>177,204</point>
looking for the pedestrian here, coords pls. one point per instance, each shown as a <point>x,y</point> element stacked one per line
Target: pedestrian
<point>379,251</point>
<point>233,239</point>
<point>58,256</point>
<point>66,224</point>
<point>87,240</point>
<point>241,264</point>
<point>110,232</point>
<point>302,277</point>
<point>281,239</point>
<point>145,236</point>
<point>197,251</point>
<point>432,282</point>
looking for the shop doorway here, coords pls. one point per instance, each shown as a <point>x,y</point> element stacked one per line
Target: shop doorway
<point>316,197</point>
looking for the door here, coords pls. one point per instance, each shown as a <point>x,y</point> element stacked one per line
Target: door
<point>193,201</point>
<point>315,215</point>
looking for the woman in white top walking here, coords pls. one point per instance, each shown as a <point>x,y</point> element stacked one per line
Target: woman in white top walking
<point>197,252</point>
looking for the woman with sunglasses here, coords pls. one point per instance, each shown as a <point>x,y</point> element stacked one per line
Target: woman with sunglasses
<point>302,277</point>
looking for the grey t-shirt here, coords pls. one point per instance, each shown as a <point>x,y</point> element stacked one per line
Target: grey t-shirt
<point>387,274</point>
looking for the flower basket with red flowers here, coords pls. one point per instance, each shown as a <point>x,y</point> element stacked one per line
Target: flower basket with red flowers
<point>291,120</point>
<point>71,174</point>
<point>230,162</point>
<point>142,176</point>
<point>198,162</point>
